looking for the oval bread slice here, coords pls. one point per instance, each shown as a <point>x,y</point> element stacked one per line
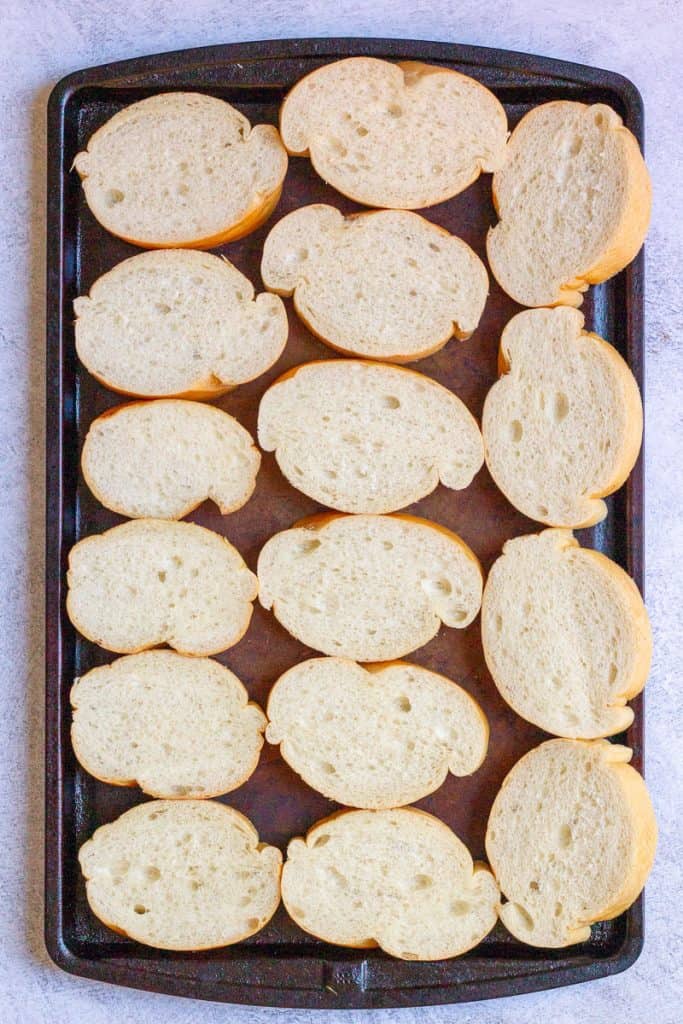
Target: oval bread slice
<point>175,726</point>
<point>571,839</point>
<point>365,437</point>
<point>566,636</point>
<point>374,737</point>
<point>151,582</point>
<point>370,588</point>
<point>402,135</point>
<point>181,874</point>
<point>177,324</point>
<point>573,197</point>
<point>385,285</point>
<point>162,459</point>
<point>398,879</point>
<point>182,169</point>
<point>562,428</point>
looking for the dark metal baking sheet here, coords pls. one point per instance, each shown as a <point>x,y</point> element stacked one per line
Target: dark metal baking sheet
<point>281,965</point>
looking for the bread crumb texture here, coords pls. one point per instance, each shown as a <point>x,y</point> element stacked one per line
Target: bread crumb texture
<point>404,135</point>
<point>385,285</point>
<point>400,879</point>
<point>571,839</point>
<point>184,875</point>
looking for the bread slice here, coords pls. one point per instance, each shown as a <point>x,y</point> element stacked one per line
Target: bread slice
<point>151,582</point>
<point>573,197</point>
<point>162,459</point>
<point>370,588</point>
<point>182,169</point>
<point>566,636</point>
<point>366,437</point>
<point>563,427</point>
<point>571,839</point>
<point>398,879</point>
<point>175,726</point>
<point>177,324</point>
<point>385,285</point>
<point>377,737</point>
<point>402,135</point>
<point>181,874</point>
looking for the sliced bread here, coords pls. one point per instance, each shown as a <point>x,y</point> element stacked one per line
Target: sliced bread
<point>151,582</point>
<point>181,874</point>
<point>566,636</point>
<point>366,437</point>
<point>563,427</point>
<point>370,588</point>
<point>162,459</point>
<point>398,879</point>
<point>402,135</point>
<point>571,839</point>
<point>385,285</point>
<point>573,197</point>
<point>177,324</point>
<point>182,169</point>
<point>175,726</point>
<point>376,737</point>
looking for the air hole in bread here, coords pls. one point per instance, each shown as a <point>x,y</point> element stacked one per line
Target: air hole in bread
<point>387,545</point>
<point>395,110</point>
<point>405,704</point>
<point>461,907</point>
<point>561,407</point>
<point>362,131</point>
<point>307,546</point>
<point>328,768</point>
<point>516,431</point>
<point>434,247</point>
<point>534,886</point>
<point>139,909</point>
<point>599,119</point>
<point>115,196</point>
<point>525,918</point>
<point>542,512</point>
<point>565,836</point>
<point>423,881</point>
<point>437,169</point>
<point>253,923</point>
<point>321,840</point>
<point>391,402</point>
<point>162,576</point>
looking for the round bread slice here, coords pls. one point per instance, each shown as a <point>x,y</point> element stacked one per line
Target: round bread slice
<point>175,726</point>
<point>571,839</point>
<point>375,737</point>
<point>370,588</point>
<point>162,459</point>
<point>177,324</point>
<point>562,428</point>
<point>182,169</point>
<point>573,197</point>
<point>404,135</point>
<point>365,437</point>
<point>151,582</point>
<point>385,285</point>
<point>181,874</point>
<point>566,636</point>
<point>398,879</point>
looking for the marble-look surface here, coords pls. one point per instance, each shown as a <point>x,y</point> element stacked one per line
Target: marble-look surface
<point>42,41</point>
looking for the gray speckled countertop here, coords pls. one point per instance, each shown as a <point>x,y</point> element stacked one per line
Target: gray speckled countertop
<point>41,42</point>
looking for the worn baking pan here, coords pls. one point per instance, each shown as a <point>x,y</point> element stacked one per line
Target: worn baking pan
<point>281,965</point>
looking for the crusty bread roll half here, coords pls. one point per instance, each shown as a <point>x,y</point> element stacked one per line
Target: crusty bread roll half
<point>404,135</point>
<point>398,879</point>
<point>370,588</point>
<point>177,324</point>
<point>175,726</point>
<point>571,839</point>
<point>181,874</point>
<point>378,736</point>
<point>367,437</point>
<point>386,284</point>
<point>563,426</point>
<point>566,635</point>
<point>182,169</point>
<point>573,197</point>
<point>162,459</point>
<point>150,582</point>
